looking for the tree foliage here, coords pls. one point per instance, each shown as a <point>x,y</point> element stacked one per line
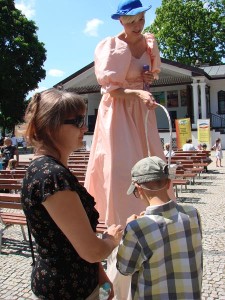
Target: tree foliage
<point>21,62</point>
<point>190,30</point>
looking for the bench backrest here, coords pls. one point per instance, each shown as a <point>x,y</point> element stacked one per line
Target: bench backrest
<point>10,201</point>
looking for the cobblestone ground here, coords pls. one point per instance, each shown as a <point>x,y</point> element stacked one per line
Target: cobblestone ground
<point>207,195</point>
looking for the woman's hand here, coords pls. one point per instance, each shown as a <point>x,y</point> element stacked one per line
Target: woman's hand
<point>104,278</point>
<point>115,233</point>
<point>147,99</point>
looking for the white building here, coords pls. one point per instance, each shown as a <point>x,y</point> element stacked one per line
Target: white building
<point>186,91</point>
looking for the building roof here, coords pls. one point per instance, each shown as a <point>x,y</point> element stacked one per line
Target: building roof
<point>172,73</point>
<point>215,71</point>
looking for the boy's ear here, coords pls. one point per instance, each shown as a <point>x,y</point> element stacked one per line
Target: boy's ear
<point>139,188</point>
<point>169,183</point>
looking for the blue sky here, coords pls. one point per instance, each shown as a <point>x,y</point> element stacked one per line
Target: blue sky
<point>71,29</point>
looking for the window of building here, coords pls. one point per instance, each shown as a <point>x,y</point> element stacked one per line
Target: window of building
<point>221,102</point>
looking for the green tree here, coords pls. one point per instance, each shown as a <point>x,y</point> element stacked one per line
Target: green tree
<point>21,63</point>
<point>190,30</point>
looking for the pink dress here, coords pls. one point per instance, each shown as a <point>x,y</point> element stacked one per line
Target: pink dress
<point>119,139</point>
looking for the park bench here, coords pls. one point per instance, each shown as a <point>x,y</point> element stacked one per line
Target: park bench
<point>12,175</point>
<point>179,182</point>
<point>9,180</point>
<point>11,201</point>
<point>9,218</point>
<point>181,174</point>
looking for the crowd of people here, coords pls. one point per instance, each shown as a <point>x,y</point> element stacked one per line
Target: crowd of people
<point>145,259</point>
<point>62,218</point>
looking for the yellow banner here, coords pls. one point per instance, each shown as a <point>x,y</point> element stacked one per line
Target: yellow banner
<point>203,127</point>
<point>183,131</point>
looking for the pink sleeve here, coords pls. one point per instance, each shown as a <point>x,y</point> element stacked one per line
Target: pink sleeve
<point>153,51</point>
<point>112,60</point>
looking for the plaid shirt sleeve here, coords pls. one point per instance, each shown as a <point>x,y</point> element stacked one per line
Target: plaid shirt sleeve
<point>130,254</point>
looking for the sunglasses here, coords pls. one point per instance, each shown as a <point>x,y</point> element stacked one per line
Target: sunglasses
<point>79,121</point>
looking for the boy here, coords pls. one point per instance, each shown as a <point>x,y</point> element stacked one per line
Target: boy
<point>161,249</point>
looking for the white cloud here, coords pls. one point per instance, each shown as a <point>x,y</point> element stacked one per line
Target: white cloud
<point>27,7</point>
<point>92,27</point>
<point>56,73</point>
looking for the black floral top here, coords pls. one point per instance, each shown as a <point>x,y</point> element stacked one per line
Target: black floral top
<point>59,272</point>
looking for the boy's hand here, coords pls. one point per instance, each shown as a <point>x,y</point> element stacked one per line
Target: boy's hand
<point>131,218</point>
<point>134,217</point>
<point>142,213</point>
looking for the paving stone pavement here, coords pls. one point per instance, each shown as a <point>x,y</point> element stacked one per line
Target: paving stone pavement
<point>207,195</point>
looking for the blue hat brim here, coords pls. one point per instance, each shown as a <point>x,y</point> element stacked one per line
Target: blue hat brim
<point>132,12</point>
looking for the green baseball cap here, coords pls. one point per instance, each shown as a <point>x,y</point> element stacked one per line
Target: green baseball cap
<point>151,168</point>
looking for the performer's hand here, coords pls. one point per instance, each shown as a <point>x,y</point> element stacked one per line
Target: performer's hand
<point>147,99</point>
<point>148,77</point>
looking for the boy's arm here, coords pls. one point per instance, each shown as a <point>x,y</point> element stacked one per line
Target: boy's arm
<point>130,255</point>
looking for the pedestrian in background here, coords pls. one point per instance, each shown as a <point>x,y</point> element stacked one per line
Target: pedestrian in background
<point>9,152</point>
<point>219,153</point>
<point>188,146</point>
<point>167,151</point>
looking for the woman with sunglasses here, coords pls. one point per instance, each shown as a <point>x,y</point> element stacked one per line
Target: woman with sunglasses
<point>61,214</point>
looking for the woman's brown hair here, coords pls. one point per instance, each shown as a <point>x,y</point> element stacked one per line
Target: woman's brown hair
<point>46,113</point>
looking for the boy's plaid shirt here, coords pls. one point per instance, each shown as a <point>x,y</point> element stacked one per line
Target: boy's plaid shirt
<point>163,253</point>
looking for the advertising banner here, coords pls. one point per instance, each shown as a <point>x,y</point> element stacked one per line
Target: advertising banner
<point>183,131</point>
<point>204,136</point>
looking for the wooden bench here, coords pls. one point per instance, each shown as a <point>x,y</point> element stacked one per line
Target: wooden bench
<point>80,175</point>
<point>15,171</point>
<point>14,176</point>
<point>193,152</point>
<point>73,166</point>
<point>11,201</point>
<point>181,183</point>
<point>181,174</point>
<point>10,186</point>
<point>190,167</point>
<point>10,181</point>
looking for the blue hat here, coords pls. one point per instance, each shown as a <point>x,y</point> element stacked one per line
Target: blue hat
<point>129,8</point>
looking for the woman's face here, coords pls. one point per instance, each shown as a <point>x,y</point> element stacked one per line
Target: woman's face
<point>135,27</point>
<point>70,137</point>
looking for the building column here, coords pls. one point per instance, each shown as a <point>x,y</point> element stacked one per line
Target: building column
<point>195,102</point>
<point>203,100</point>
